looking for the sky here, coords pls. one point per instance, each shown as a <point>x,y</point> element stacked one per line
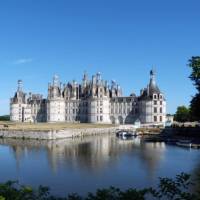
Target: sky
<point>122,39</point>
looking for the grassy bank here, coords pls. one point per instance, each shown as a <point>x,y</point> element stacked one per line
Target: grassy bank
<point>49,126</point>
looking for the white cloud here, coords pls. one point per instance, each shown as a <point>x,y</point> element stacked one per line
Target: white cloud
<point>23,61</point>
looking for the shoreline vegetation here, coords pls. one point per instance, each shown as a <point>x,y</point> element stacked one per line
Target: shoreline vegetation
<point>181,187</point>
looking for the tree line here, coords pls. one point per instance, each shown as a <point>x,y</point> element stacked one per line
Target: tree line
<point>191,113</point>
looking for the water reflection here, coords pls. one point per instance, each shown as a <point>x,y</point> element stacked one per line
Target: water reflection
<point>88,153</point>
<point>85,164</point>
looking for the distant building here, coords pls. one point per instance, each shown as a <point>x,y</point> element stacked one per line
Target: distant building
<point>92,101</point>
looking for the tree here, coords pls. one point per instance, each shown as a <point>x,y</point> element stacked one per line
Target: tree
<point>5,118</point>
<point>194,64</point>
<point>182,114</point>
<point>195,108</point>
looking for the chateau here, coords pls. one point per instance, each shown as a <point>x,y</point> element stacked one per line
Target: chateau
<point>92,101</point>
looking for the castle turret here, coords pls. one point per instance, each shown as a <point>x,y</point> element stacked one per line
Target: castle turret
<point>84,82</point>
<point>19,108</point>
<point>55,102</point>
<point>98,104</point>
<point>152,103</point>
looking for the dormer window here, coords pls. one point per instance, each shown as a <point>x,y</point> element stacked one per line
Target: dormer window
<point>161,96</point>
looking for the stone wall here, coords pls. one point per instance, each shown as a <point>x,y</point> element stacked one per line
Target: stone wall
<point>53,134</point>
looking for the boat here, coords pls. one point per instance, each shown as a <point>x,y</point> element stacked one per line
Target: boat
<point>125,134</point>
<point>195,146</point>
<point>184,143</point>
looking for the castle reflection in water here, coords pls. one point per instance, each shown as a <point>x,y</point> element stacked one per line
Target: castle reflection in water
<point>88,153</point>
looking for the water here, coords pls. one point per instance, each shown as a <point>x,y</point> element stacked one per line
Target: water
<point>84,164</point>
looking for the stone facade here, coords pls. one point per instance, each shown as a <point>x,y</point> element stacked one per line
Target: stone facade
<point>92,101</point>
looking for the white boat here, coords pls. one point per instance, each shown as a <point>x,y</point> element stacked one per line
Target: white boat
<point>184,143</point>
<point>125,134</point>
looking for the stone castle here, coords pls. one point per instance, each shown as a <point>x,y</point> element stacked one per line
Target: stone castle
<point>92,101</point>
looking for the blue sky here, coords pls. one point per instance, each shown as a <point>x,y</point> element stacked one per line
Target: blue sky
<point>122,39</point>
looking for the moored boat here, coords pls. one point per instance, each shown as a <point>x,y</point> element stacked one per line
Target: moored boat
<point>125,134</point>
<point>184,143</point>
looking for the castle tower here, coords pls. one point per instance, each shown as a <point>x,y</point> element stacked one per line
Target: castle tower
<point>152,103</point>
<point>20,111</point>
<point>55,102</point>
<point>98,103</point>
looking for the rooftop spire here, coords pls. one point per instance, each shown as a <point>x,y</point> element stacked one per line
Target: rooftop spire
<point>85,75</point>
<point>56,81</point>
<point>152,77</point>
<point>20,84</point>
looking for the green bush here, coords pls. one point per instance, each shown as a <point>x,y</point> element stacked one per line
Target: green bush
<point>173,189</point>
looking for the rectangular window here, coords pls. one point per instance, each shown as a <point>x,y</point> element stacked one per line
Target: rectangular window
<point>155,96</point>
<point>160,118</point>
<point>160,102</point>
<point>155,110</point>
<point>101,118</point>
<point>161,110</point>
<point>155,102</point>
<point>155,118</point>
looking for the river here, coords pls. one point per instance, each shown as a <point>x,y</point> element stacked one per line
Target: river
<point>82,165</point>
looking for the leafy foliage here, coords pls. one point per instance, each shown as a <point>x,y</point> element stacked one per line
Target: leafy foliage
<point>182,114</point>
<point>194,64</point>
<point>5,118</point>
<point>173,189</point>
<point>195,108</point>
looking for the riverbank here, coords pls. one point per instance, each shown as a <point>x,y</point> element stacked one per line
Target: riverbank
<point>189,132</point>
<point>55,134</point>
<point>51,131</point>
<point>174,135</point>
<point>48,126</point>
